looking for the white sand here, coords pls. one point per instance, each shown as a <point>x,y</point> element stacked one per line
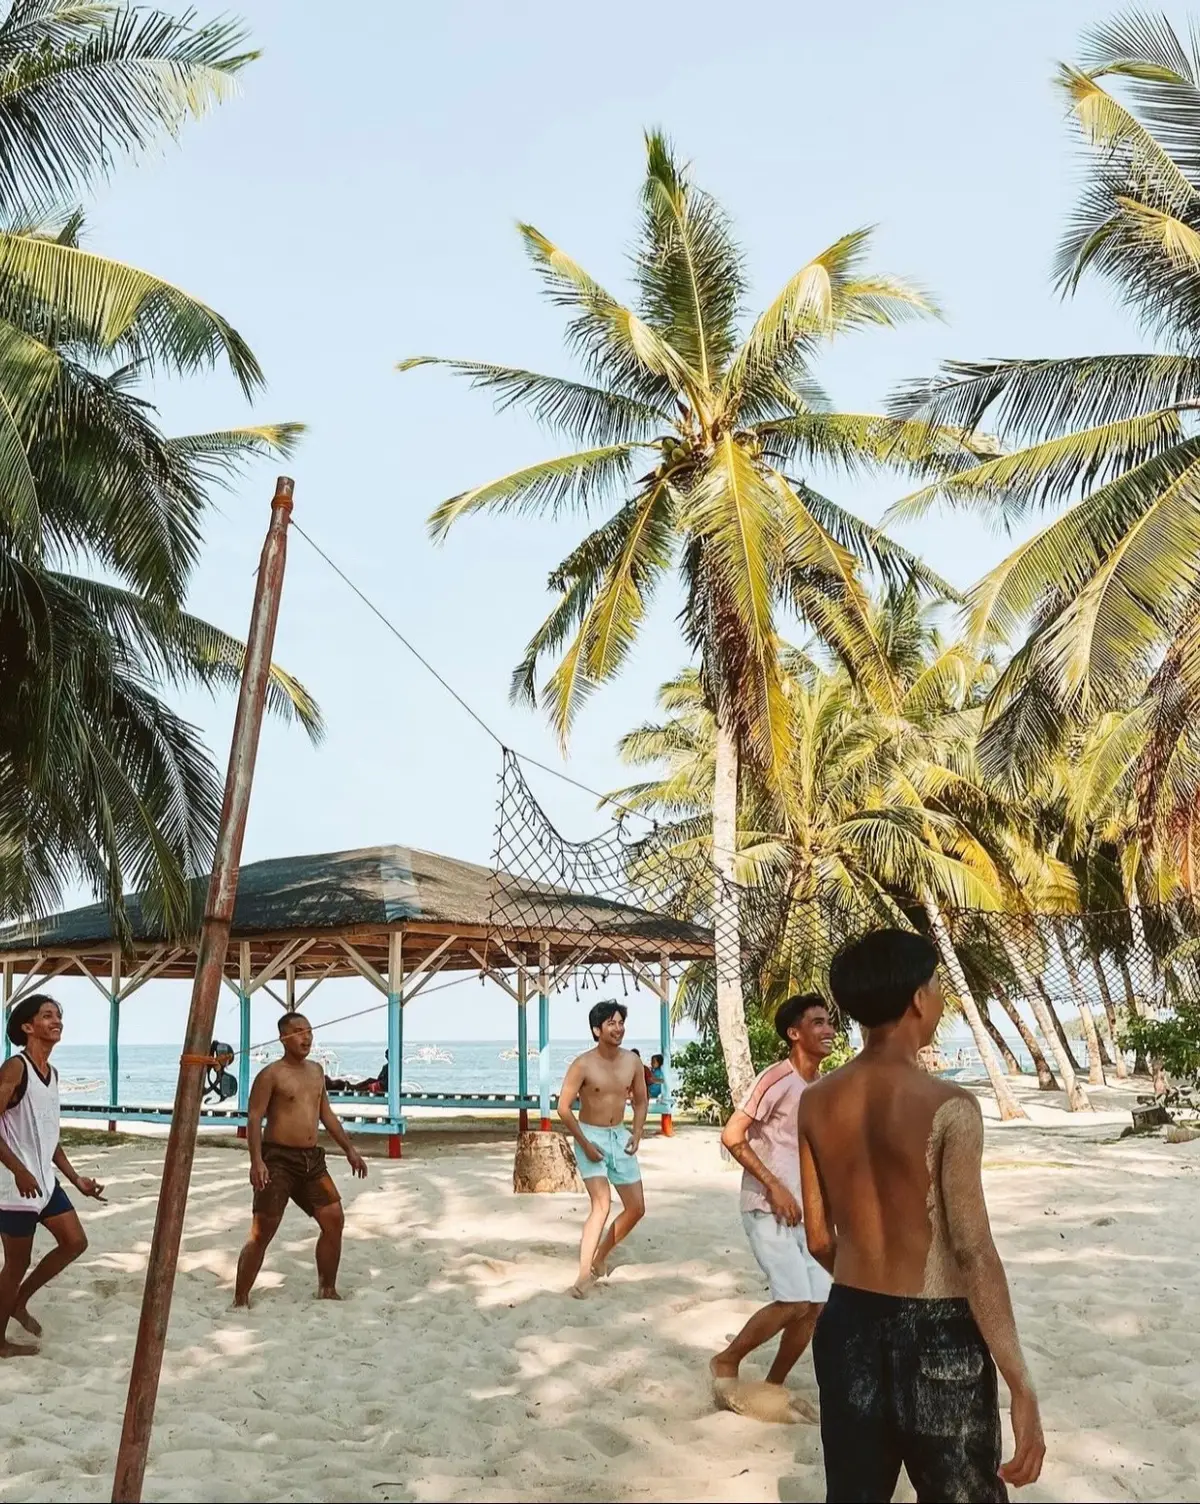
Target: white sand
<point>457,1368</point>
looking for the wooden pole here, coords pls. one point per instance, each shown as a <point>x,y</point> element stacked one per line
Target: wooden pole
<point>395,1021</point>
<point>210,967</point>
<point>664,1043</point>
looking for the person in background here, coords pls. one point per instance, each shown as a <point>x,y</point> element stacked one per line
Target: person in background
<point>289,1164</point>
<point>30,1152</point>
<point>919,1317</point>
<point>603,1080</point>
<point>656,1077</point>
<point>762,1135</point>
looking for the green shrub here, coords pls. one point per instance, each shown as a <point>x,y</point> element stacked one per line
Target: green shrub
<point>1174,1041</point>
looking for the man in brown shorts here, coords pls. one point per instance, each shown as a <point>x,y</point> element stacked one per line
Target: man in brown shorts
<point>288,1165</point>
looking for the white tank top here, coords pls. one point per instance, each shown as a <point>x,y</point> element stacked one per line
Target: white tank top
<point>30,1130</point>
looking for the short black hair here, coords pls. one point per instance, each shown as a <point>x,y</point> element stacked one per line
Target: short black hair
<point>790,1013</point>
<point>25,1012</point>
<point>874,978</point>
<point>290,1018</point>
<point>601,1012</point>
<point>656,1060</point>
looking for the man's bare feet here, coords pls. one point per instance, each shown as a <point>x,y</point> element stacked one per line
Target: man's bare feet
<point>17,1350</point>
<point>30,1323</point>
<point>582,1288</point>
<point>327,1292</point>
<point>241,1305</point>
<point>722,1367</point>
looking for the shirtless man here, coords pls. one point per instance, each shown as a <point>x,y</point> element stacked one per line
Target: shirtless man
<point>603,1080</point>
<point>288,1165</point>
<point>919,1317</point>
<point>30,1195</point>
<point>762,1135</point>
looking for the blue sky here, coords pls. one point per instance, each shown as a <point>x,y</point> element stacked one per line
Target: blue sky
<point>357,205</point>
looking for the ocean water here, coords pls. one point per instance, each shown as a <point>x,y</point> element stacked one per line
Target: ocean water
<point>148,1072</point>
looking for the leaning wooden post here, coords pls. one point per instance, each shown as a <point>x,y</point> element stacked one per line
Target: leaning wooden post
<point>210,966</point>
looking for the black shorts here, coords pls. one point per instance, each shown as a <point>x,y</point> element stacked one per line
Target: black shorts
<point>24,1224</point>
<point>906,1381</point>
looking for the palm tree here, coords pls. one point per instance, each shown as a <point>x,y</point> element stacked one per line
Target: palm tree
<point>863,849</point>
<point>1111,587</point>
<point>97,775</point>
<point>695,443</point>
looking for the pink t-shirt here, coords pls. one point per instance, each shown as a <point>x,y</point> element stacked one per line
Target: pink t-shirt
<point>773,1102</point>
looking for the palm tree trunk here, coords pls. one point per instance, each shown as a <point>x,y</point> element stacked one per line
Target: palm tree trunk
<point>1140,1065</point>
<point>1110,1012</point>
<point>1011,1064</point>
<point>727,944</point>
<point>1091,1038</point>
<point>1009,1106</point>
<point>1052,1012</point>
<point>1077,1097</point>
<point>1047,1081</point>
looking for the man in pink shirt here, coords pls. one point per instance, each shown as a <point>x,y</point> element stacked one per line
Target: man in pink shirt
<point>762,1135</point>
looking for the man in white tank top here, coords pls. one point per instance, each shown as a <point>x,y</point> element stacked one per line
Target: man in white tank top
<point>30,1152</point>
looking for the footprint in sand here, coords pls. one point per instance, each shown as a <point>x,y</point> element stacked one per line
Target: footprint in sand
<point>759,1400</point>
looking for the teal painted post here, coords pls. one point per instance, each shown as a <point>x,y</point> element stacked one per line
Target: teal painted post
<point>8,992</point>
<point>522,1051</point>
<point>244,1051</point>
<point>395,1064</point>
<point>544,1039</point>
<point>114,1053</point>
<point>395,1020</point>
<point>664,1044</point>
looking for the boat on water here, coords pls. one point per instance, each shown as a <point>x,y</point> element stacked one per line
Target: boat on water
<point>77,1086</point>
<point>430,1054</point>
<point>531,1053</point>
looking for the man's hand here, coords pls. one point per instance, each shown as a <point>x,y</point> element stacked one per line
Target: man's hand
<point>86,1186</point>
<point>632,1144</point>
<point>593,1151</point>
<point>357,1163</point>
<point>260,1176</point>
<point>1029,1445</point>
<point>26,1183</point>
<point>783,1204</point>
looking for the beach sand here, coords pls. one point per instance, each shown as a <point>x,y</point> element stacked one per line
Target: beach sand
<point>458,1368</point>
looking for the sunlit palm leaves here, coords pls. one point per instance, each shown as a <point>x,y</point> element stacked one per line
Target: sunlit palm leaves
<point>98,778</point>
<point>692,435</point>
<point>1113,584</point>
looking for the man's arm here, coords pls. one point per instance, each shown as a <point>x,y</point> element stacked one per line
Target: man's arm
<point>818,1225</point>
<point>11,1074</point>
<point>641,1104</point>
<point>256,1110</point>
<point>84,1184</point>
<point>959,1125</point>
<point>333,1126</point>
<point>733,1137</point>
<point>567,1092</point>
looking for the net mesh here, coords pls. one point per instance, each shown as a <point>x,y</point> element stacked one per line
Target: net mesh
<point>1081,975</point>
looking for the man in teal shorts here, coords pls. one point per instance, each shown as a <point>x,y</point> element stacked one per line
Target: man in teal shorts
<point>602,1081</point>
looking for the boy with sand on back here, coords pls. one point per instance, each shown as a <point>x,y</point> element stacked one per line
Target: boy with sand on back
<point>919,1317</point>
<point>288,1164</point>
<point>604,1080</point>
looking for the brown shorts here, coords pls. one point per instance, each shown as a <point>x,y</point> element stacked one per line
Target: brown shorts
<point>299,1175</point>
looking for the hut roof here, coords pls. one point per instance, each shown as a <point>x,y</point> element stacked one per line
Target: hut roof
<point>362,895</point>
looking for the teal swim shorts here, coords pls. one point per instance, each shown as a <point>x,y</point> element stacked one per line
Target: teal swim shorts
<point>621,1168</point>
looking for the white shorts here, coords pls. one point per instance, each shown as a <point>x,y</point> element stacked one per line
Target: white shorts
<point>782,1253</point>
